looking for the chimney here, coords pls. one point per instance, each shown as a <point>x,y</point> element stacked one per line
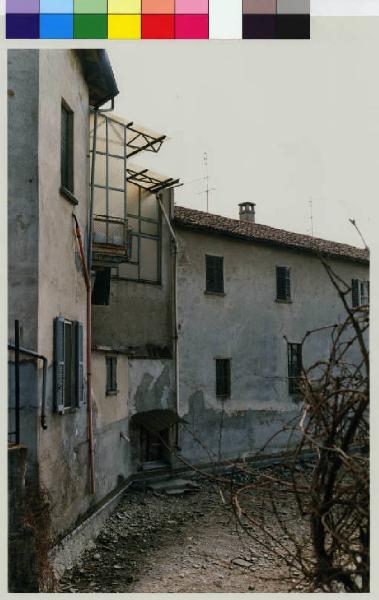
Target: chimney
<point>247,211</point>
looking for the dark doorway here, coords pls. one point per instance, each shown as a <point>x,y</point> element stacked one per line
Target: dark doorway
<point>155,447</point>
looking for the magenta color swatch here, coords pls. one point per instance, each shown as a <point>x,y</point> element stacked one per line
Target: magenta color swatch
<point>25,7</point>
<point>191,27</point>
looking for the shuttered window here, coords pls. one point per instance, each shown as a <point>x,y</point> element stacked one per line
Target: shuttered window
<point>295,365</point>
<point>68,364</point>
<point>283,283</point>
<point>223,383</point>
<point>214,273</point>
<point>67,148</point>
<point>111,364</point>
<point>360,292</point>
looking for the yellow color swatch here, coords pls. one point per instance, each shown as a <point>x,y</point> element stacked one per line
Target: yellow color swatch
<point>124,27</point>
<point>124,7</point>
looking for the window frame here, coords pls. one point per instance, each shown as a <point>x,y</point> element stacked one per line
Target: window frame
<point>111,388</point>
<point>74,366</point>
<point>226,378</point>
<point>294,379</point>
<point>208,267</point>
<point>360,289</point>
<point>287,284</point>
<point>67,152</point>
<point>138,234</point>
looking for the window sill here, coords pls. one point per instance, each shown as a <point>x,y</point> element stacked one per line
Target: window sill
<point>207,293</point>
<point>279,301</point>
<point>69,196</point>
<point>112,393</point>
<point>69,410</point>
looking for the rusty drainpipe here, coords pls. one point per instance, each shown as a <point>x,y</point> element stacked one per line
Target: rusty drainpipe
<point>89,361</point>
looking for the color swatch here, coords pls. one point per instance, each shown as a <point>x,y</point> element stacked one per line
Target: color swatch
<point>158,19</point>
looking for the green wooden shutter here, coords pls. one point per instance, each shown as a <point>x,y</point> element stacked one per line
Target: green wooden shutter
<point>59,366</point>
<point>79,364</point>
<point>355,292</point>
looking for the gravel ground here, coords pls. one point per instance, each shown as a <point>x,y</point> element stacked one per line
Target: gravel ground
<point>187,543</point>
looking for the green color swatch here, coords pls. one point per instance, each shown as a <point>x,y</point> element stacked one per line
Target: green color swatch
<point>90,27</point>
<point>93,7</point>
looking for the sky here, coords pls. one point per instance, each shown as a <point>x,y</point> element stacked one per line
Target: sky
<point>291,125</point>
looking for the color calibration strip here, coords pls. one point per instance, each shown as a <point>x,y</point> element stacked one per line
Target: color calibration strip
<point>158,19</point>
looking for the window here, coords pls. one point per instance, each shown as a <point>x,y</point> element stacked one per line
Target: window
<point>144,221</point>
<point>214,266</point>
<point>67,148</point>
<point>283,284</point>
<point>223,387</point>
<point>101,287</point>
<point>68,364</point>
<point>360,291</point>
<point>111,364</point>
<point>294,367</point>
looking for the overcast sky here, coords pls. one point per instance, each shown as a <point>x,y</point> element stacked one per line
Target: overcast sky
<point>282,122</point>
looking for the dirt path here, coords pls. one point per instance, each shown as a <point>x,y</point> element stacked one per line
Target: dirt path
<point>188,543</point>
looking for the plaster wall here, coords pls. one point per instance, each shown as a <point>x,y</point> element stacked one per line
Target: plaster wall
<point>247,325</point>
<point>23,211</point>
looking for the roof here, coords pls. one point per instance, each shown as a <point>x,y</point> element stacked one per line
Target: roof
<point>198,220</point>
<point>99,76</point>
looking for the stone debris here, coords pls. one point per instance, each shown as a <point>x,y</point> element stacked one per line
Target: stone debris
<point>157,542</point>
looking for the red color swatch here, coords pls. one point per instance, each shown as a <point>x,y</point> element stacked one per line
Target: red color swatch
<point>158,27</point>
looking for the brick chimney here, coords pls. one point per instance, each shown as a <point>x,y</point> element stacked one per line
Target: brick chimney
<point>247,211</point>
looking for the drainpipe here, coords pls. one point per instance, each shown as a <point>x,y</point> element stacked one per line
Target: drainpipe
<point>175,306</point>
<point>89,357</point>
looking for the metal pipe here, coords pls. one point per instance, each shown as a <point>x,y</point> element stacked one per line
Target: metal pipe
<point>17,378</point>
<point>44,378</point>
<point>175,309</point>
<point>92,191</point>
<point>89,357</point>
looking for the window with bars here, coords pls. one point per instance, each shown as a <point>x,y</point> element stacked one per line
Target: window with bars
<point>144,220</point>
<point>295,365</point>
<point>68,364</point>
<point>67,148</point>
<point>223,378</point>
<point>214,266</point>
<point>360,291</point>
<point>283,283</point>
<point>111,366</point>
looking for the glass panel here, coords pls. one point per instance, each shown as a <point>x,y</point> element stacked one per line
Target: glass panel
<point>100,165</point>
<point>149,228</point>
<point>99,231</point>
<point>99,202</point>
<point>134,257</point>
<point>133,198</point>
<point>115,138</point>
<point>116,204</point>
<point>128,270</point>
<point>149,206</point>
<point>116,233</point>
<point>148,259</point>
<point>116,172</point>
<point>133,224</point>
<point>100,136</point>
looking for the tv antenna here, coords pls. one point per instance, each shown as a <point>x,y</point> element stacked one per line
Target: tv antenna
<point>207,189</point>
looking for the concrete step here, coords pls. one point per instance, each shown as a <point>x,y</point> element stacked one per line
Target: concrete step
<point>173,485</point>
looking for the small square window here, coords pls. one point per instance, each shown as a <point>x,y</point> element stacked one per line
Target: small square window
<point>283,283</point>
<point>67,148</point>
<point>223,377</point>
<point>111,364</point>
<point>295,366</point>
<point>214,274</point>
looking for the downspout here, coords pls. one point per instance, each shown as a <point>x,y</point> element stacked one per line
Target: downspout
<point>89,357</point>
<point>175,333</point>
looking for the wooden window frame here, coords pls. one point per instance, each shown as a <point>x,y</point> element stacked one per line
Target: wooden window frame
<point>214,281</point>
<point>111,388</point>
<point>283,274</point>
<point>67,151</point>
<point>294,377</point>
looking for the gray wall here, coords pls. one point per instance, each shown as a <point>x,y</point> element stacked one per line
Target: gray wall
<point>246,325</point>
<point>23,210</point>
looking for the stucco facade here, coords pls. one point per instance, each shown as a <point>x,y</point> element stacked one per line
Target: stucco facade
<point>247,325</point>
